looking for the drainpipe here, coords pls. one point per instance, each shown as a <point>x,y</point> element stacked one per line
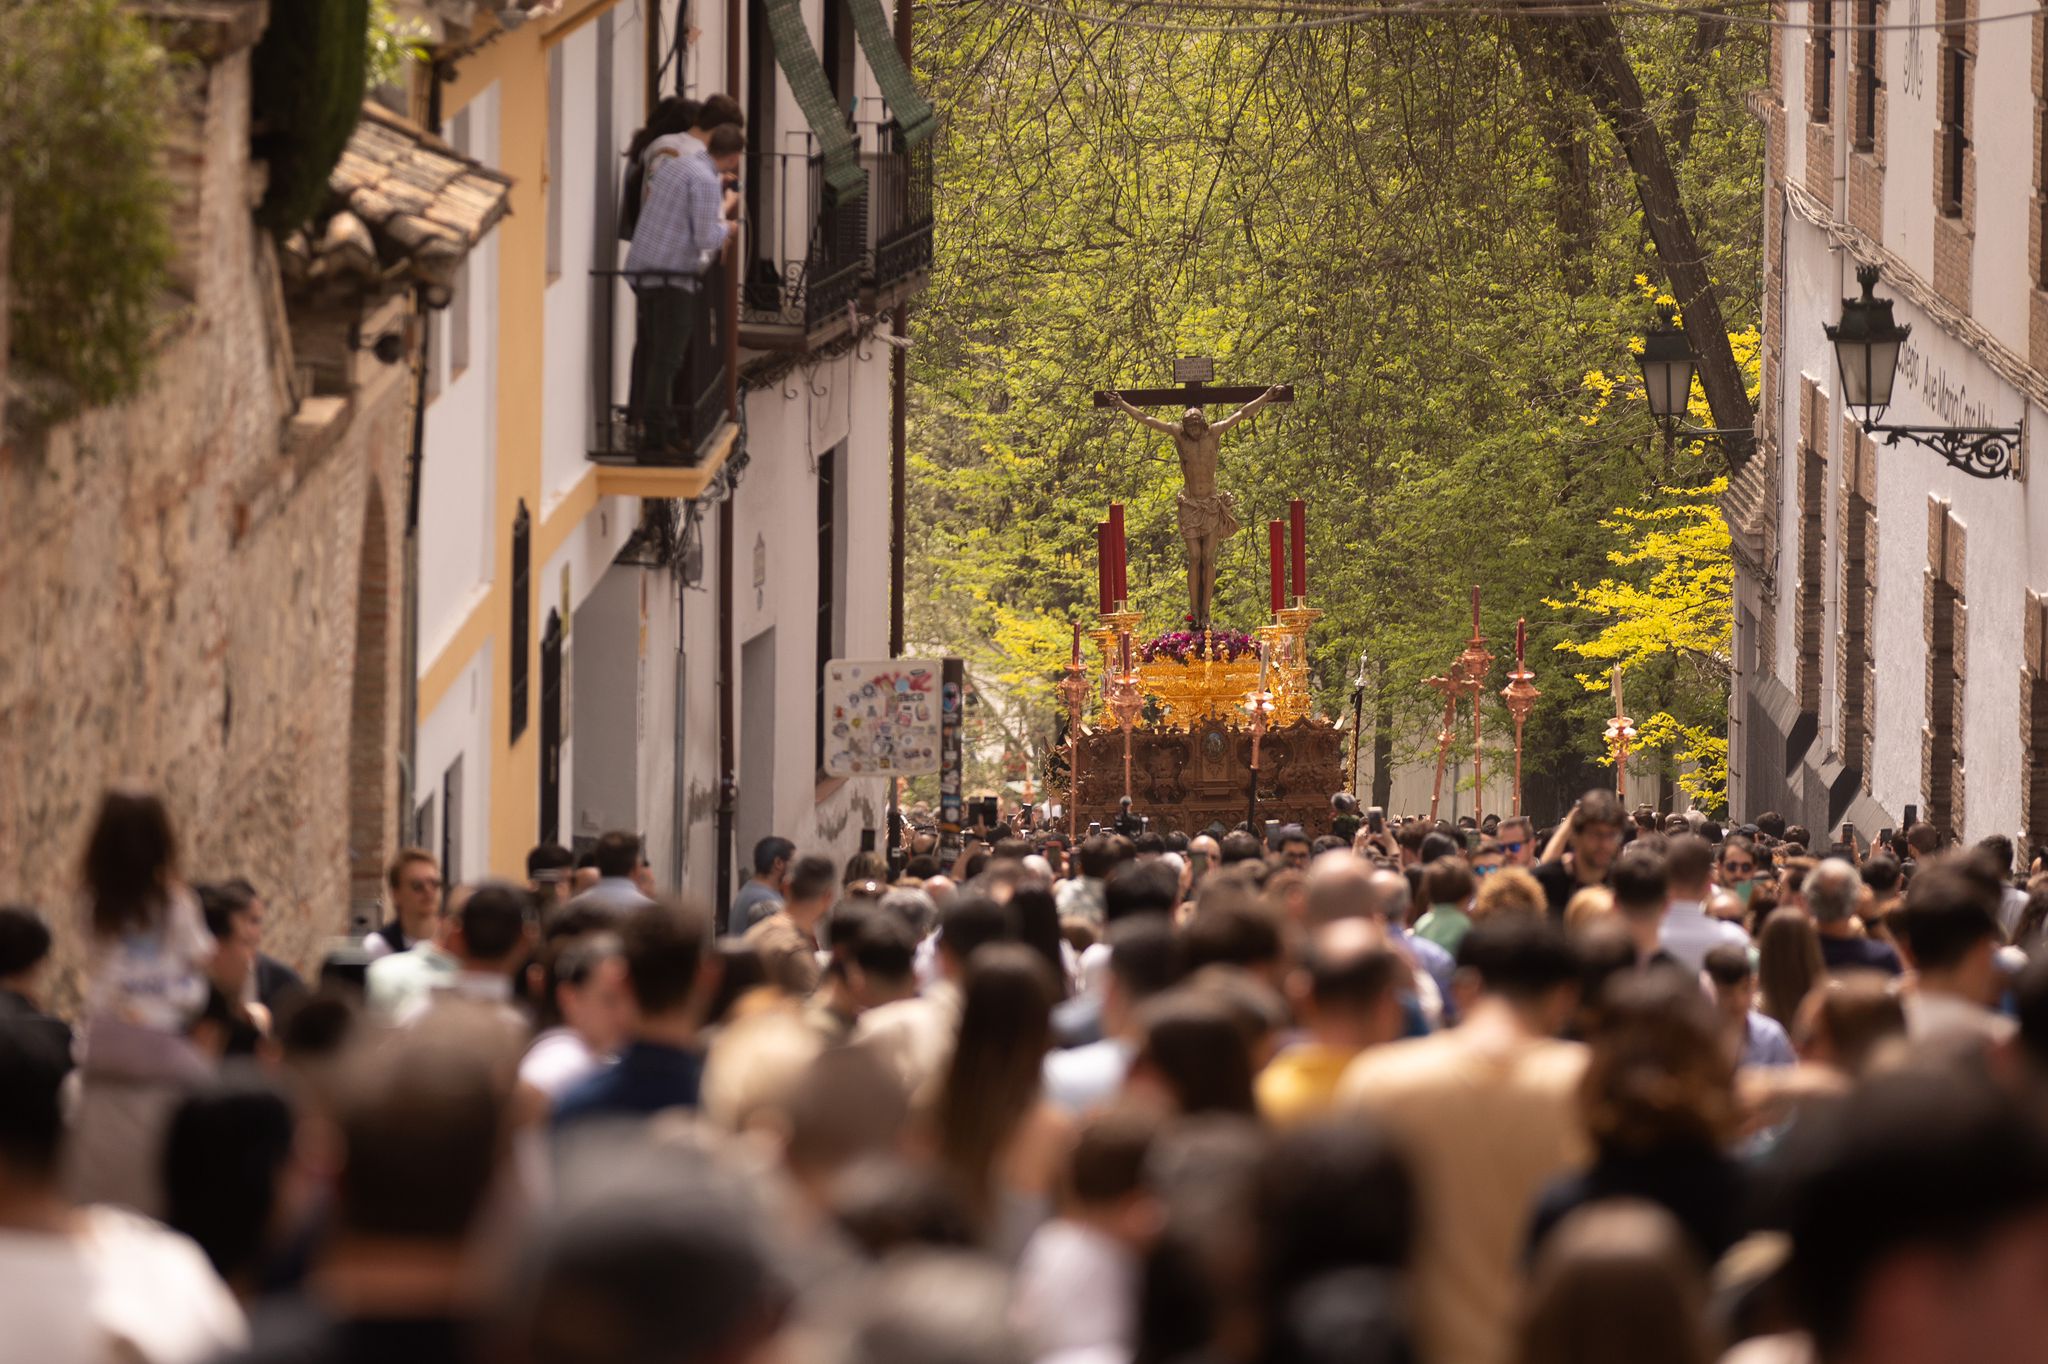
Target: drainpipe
<point>899,423</point>
<point>409,588</point>
<point>728,782</point>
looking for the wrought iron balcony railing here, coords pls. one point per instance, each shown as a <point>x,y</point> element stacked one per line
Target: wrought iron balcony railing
<point>899,237</point>
<point>805,251</point>
<point>667,428</point>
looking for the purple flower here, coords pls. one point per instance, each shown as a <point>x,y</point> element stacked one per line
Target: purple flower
<point>1186,646</point>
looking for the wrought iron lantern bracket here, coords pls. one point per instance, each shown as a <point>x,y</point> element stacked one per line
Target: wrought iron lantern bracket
<point>1979,451</point>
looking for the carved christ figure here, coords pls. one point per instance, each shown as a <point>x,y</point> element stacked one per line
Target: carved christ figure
<point>1207,517</point>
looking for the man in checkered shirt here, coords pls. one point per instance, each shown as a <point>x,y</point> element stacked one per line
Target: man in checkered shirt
<point>682,228</point>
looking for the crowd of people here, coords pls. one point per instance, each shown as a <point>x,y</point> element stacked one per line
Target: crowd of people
<point>1633,1089</point>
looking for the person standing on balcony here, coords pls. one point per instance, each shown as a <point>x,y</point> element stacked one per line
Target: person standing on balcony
<point>682,228</point>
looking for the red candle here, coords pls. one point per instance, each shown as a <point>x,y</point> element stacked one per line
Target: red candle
<point>1297,515</point>
<point>1105,565</point>
<point>1475,610</point>
<point>1276,536</point>
<point>1127,652</point>
<point>1120,586</point>
<point>1077,644</point>
<point>1521,638</point>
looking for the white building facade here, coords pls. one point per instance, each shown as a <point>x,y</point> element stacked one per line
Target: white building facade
<point>1889,607</point>
<point>615,638</point>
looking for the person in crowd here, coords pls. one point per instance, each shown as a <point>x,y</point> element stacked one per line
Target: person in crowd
<point>1517,839</point>
<point>550,868</point>
<point>1078,1279</point>
<point>1616,1283</point>
<point>395,985</point>
<point>234,1023</point>
<point>423,1121</point>
<point>1144,962</point>
<point>489,935</point>
<point>1486,1114</point>
<point>1886,880</point>
<point>788,939</point>
<point>412,885</point>
<point>661,1065</point>
<point>1583,849</point>
<point>586,1012</point>
<point>1658,1102</point>
<point>996,1136</point>
<point>1789,965</point>
<point>1689,932</point>
<point>1194,1055</point>
<point>1831,892</point>
<point>1758,1039</point>
<point>1923,841</point>
<point>1292,847</point>
<point>1347,997</point>
<point>24,963</point>
<point>1507,890</point>
<point>88,1284</point>
<point>682,227</point>
<point>1082,896</point>
<point>1950,928</point>
<point>1642,897</point>
<point>916,1034</point>
<point>1850,1022</point>
<point>234,1183</point>
<point>146,989</point>
<point>1448,886</point>
<point>1944,1265</point>
<point>624,880</point>
<point>1735,867</point>
<point>762,895</point>
<point>873,962</point>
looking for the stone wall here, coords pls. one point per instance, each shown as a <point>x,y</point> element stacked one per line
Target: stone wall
<point>179,583</point>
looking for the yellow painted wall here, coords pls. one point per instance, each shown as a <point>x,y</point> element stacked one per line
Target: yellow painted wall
<point>518,63</point>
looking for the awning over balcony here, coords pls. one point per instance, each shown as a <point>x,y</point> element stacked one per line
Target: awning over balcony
<point>799,62</point>
<point>912,110</point>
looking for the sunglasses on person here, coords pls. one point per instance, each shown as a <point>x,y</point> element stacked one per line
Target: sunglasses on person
<point>1512,848</point>
<point>1738,869</point>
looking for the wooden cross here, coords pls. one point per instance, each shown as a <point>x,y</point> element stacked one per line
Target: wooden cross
<point>1193,375</point>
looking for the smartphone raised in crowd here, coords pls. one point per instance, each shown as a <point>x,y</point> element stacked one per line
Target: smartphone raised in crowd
<point>1376,820</point>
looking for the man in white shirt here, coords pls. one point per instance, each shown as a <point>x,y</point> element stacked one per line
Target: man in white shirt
<point>86,1285</point>
<point>1689,932</point>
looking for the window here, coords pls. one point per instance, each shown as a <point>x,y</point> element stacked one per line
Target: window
<point>1820,85</point>
<point>552,173</point>
<point>1943,695</point>
<point>828,580</point>
<point>1955,106</point>
<point>2041,190</point>
<point>1858,670</point>
<point>451,823</point>
<point>522,613</point>
<point>1866,75</point>
<point>458,303</point>
<point>836,52</point>
<point>551,730</point>
<point>1812,557</point>
<point>2036,795</point>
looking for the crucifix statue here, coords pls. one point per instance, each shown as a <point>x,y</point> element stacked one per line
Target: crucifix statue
<point>1207,515</point>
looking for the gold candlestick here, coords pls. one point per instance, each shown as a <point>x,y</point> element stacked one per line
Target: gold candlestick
<point>1520,694</point>
<point>1473,666</point>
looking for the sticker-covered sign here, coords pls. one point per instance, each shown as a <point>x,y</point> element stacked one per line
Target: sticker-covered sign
<point>881,717</point>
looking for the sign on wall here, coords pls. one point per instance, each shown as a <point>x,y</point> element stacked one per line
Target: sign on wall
<point>882,717</point>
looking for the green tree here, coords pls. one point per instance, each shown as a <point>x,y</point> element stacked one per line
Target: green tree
<point>81,84</point>
<point>1377,212</point>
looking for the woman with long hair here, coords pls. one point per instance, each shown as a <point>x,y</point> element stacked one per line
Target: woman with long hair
<point>146,987</point>
<point>1788,965</point>
<point>1658,1100</point>
<point>998,1139</point>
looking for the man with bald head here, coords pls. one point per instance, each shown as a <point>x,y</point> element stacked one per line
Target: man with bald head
<point>1347,995</point>
<point>1343,885</point>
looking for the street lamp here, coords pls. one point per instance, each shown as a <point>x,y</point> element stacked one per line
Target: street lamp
<point>1666,361</point>
<point>1867,342</point>
<point>1667,372</point>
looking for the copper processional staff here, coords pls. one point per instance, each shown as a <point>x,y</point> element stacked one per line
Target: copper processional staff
<point>1467,677</point>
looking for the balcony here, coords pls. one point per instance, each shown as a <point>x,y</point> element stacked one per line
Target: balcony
<point>806,253</point>
<point>899,219</point>
<point>672,443</point>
